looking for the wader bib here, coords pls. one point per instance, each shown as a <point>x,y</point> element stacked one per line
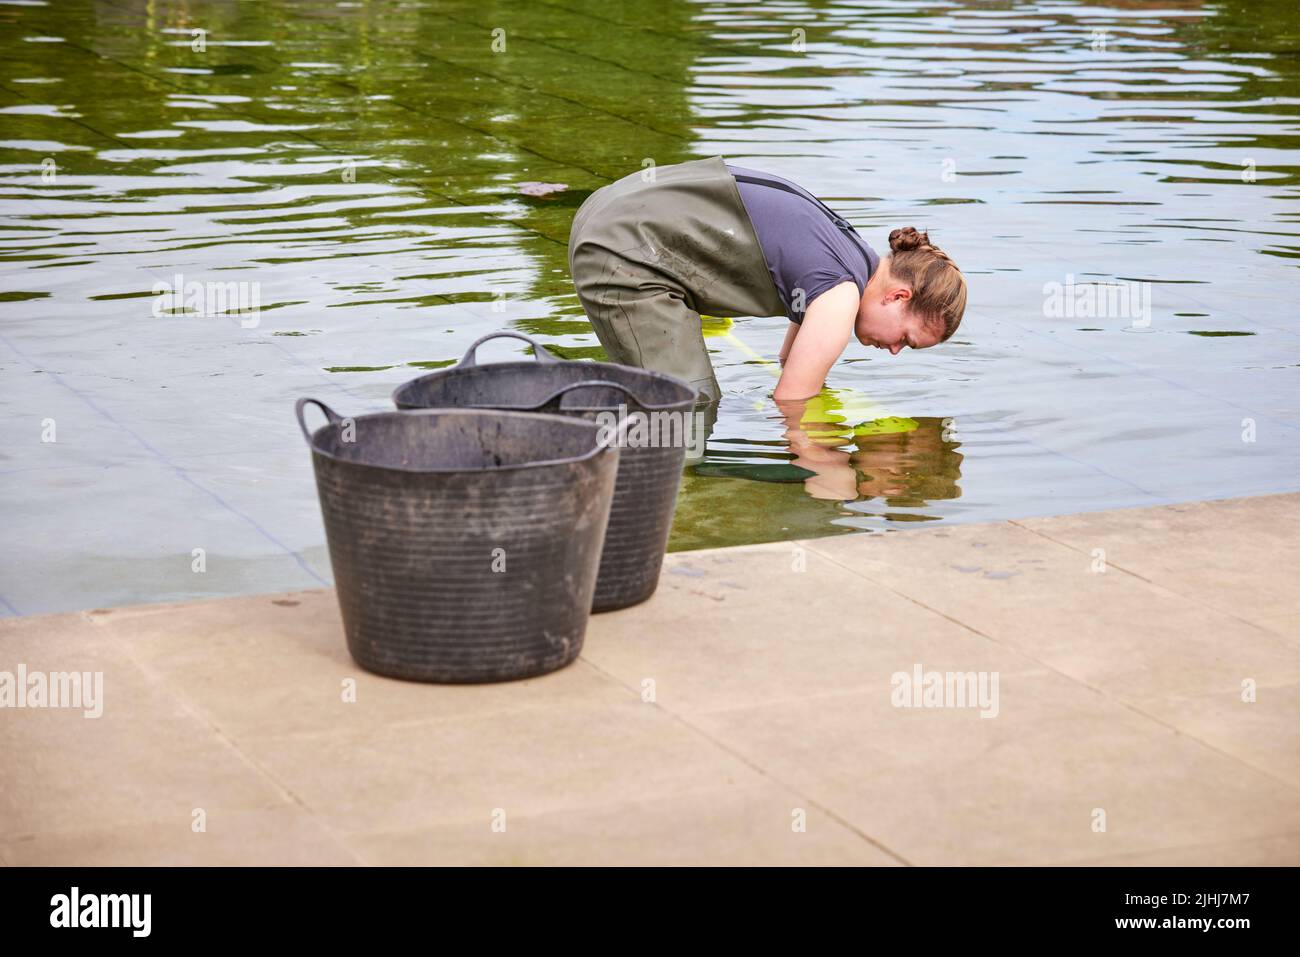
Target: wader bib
<point>648,255</point>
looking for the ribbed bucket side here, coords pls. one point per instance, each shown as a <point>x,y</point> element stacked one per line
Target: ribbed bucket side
<point>465,577</point>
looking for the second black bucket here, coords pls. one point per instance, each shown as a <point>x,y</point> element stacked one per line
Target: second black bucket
<point>650,469</point>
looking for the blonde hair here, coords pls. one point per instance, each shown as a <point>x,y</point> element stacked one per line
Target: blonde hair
<point>938,287</point>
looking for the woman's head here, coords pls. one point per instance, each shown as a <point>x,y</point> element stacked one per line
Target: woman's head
<point>915,298</point>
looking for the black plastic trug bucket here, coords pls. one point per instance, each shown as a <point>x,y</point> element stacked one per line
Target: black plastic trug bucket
<point>465,543</point>
<point>649,474</point>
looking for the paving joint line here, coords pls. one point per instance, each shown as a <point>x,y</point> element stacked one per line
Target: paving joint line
<point>171,690</point>
<point>1072,679</point>
<point>1172,593</point>
<point>764,772</point>
<point>180,472</point>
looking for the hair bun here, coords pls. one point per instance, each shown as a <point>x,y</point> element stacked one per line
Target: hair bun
<point>906,239</point>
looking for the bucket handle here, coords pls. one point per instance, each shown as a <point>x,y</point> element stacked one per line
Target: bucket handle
<point>302,404</point>
<point>539,350</point>
<point>588,383</point>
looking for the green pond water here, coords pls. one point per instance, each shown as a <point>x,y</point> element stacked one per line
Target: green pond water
<point>397,178</point>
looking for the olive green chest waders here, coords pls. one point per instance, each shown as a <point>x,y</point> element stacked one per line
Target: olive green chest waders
<point>653,250</point>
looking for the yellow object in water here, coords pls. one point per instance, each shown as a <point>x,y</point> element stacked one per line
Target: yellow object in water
<point>715,326</point>
<point>844,413</point>
<point>889,425</point>
<point>832,413</point>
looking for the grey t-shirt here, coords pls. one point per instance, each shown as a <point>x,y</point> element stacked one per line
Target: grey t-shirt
<point>804,246</point>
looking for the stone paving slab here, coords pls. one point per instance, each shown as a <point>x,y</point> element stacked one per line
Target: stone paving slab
<point>747,714</point>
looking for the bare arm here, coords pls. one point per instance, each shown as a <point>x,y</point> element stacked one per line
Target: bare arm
<point>825,332</point>
<point>789,340</point>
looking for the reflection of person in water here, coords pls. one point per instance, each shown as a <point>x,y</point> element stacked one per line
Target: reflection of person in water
<point>905,467</point>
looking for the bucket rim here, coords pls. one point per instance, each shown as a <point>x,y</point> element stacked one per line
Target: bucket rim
<point>568,421</point>
<point>513,366</point>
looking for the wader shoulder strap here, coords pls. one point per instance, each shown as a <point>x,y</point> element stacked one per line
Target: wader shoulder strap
<point>841,223</point>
